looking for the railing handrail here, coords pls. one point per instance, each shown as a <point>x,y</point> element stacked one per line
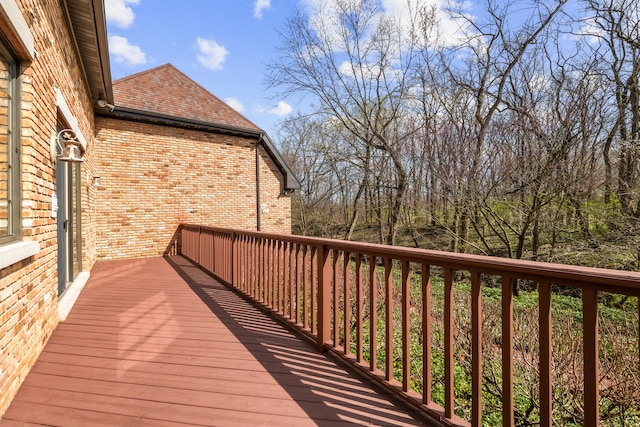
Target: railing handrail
<point>282,271</point>
<point>602,279</point>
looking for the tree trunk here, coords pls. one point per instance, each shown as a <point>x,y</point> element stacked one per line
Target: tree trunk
<point>354,217</point>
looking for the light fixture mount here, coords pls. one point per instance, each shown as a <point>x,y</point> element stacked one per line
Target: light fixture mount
<point>67,141</point>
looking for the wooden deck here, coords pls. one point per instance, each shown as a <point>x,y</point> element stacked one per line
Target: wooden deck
<point>159,342</point>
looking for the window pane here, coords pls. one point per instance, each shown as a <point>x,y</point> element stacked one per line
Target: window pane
<point>5,176</point>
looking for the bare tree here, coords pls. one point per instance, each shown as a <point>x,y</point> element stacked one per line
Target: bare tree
<point>311,152</point>
<point>356,62</point>
<point>494,48</point>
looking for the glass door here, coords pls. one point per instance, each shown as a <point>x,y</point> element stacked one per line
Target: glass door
<point>68,223</point>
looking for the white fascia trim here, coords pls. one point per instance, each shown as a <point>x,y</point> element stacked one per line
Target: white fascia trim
<point>15,252</point>
<point>11,12</point>
<point>64,109</point>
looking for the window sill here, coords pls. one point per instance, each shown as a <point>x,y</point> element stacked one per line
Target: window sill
<point>16,252</point>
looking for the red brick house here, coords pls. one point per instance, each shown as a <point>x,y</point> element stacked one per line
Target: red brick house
<point>158,149</point>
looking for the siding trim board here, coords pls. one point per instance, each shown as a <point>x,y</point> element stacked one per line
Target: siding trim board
<point>15,28</point>
<point>15,252</point>
<point>72,121</point>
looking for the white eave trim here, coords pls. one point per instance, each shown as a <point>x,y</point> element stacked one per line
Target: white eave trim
<point>71,120</point>
<point>19,34</point>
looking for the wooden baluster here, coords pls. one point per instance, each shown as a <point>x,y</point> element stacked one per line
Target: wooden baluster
<point>476,350</point>
<point>448,343</point>
<point>347,302</point>
<point>388,280</point>
<point>426,334</point>
<point>406,326</point>
<point>507,351</point>
<point>591,371</point>
<point>359,312</point>
<point>373,315</point>
<point>544,319</point>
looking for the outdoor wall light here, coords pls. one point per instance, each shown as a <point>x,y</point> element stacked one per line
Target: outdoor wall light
<point>94,181</point>
<point>67,140</point>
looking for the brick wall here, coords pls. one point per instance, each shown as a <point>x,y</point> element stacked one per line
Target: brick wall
<point>275,209</point>
<point>28,289</point>
<point>155,177</point>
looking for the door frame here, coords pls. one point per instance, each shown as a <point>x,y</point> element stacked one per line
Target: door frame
<point>68,224</point>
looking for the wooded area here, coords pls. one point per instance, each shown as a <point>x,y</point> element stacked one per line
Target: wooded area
<point>510,130</point>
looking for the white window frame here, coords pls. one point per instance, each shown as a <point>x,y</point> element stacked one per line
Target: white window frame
<point>17,38</point>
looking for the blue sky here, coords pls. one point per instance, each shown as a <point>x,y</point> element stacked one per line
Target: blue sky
<point>224,45</point>
<point>221,44</point>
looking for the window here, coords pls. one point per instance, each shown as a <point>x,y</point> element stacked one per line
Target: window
<point>9,148</point>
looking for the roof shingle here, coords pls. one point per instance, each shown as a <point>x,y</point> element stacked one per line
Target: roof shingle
<point>166,90</point>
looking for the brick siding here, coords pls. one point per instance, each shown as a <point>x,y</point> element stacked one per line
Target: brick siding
<point>153,177</point>
<point>156,177</point>
<point>28,290</point>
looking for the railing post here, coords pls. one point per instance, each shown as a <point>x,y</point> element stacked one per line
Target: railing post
<point>199,261</point>
<point>234,258</point>
<point>324,295</point>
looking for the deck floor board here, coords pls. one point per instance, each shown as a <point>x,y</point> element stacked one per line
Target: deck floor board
<point>159,342</point>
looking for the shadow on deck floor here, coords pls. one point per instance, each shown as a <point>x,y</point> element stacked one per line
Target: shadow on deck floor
<point>159,342</point>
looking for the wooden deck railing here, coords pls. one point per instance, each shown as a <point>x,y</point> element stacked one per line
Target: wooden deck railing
<point>355,298</point>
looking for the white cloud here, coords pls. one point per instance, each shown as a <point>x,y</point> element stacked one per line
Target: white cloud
<point>126,53</point>
<point>369,71</point>
<point>212,55</point>
<point>259,7</point>
<point>119,13</point>
<point>447,29</point>
<point>281,109</point>
<point>590,31</point>
<point>235,104</point>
